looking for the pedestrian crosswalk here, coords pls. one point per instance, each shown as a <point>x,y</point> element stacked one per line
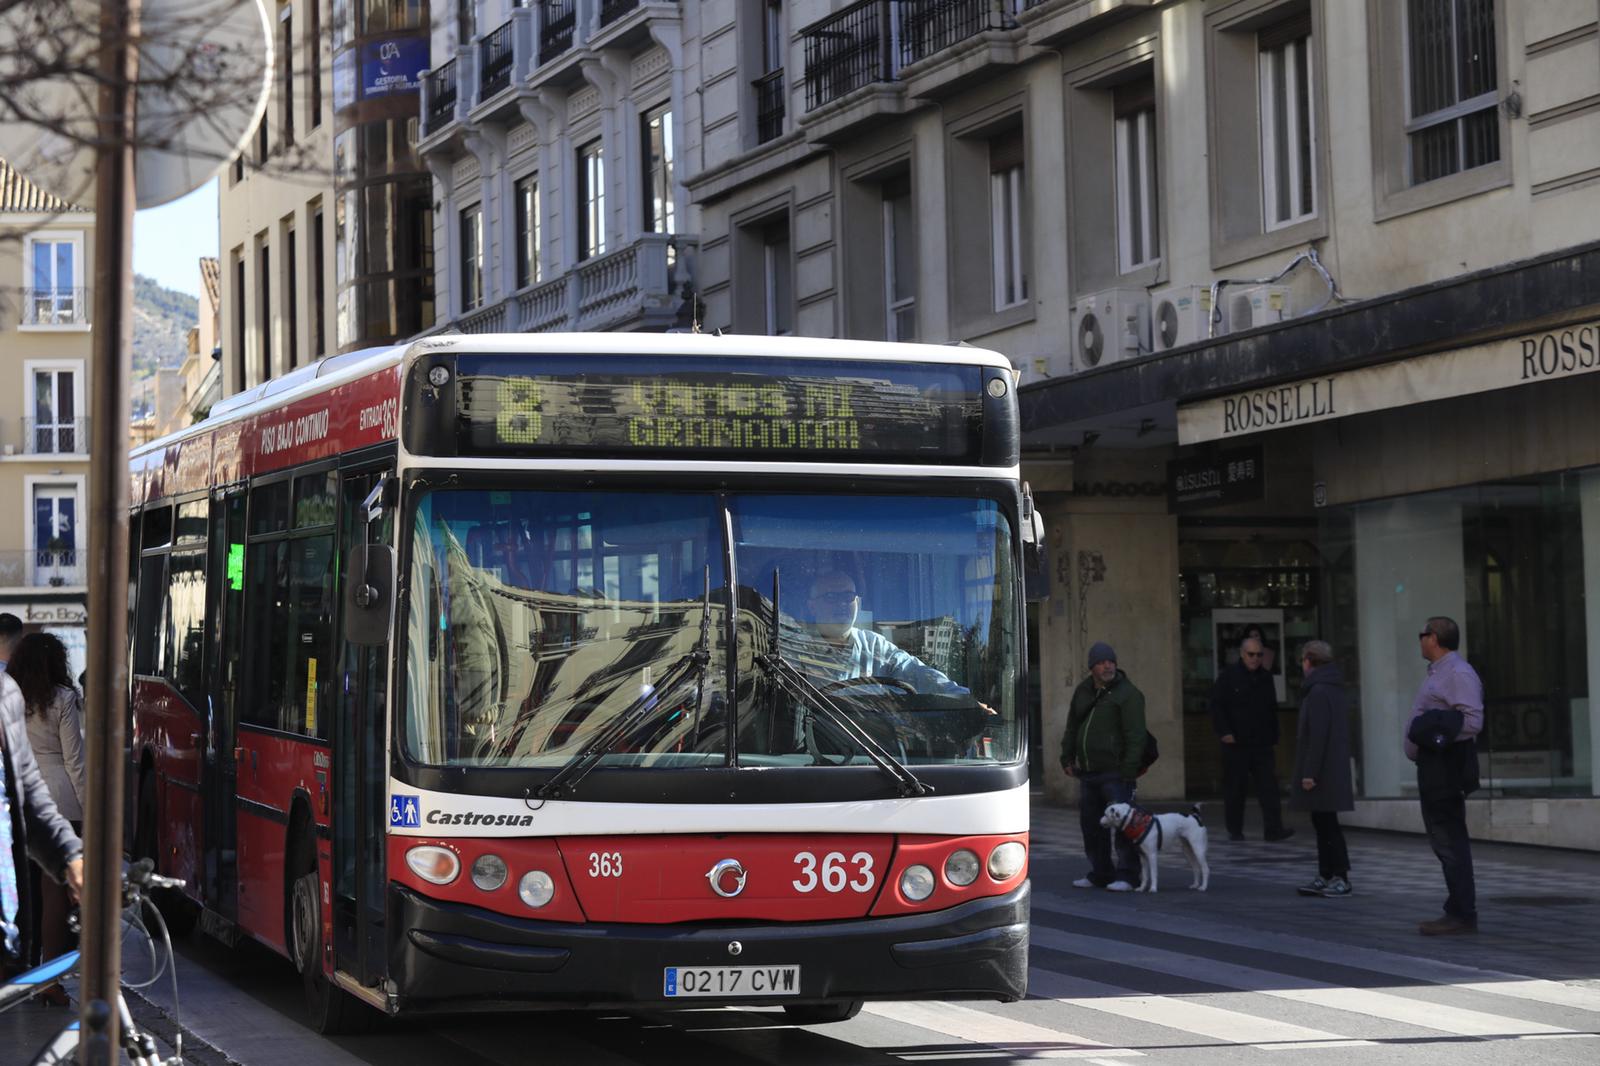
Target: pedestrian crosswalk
<point>1105,987</point>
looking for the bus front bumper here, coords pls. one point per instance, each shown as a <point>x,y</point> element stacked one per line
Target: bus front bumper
<point>453,957</point>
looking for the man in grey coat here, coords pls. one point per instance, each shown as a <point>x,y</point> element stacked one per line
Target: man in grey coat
<point>30,825</point>
<point>1322,766</point>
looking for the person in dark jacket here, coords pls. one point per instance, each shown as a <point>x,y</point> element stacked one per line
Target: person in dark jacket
<point>1101,747</point>
<point>29,825</point>
<point>1322,766</point>
<point>1244,712</point>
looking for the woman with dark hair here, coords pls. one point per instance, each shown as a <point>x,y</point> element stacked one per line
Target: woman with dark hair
<point>1322,767</point>
<point>54,714</point>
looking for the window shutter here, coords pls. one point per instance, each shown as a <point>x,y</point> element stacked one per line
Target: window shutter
<point>1005,151</point>
<point>1281,33</point>
<point>1133,97</point>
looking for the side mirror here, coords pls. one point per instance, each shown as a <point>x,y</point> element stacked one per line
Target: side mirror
<point>369,595</point>
<point>1035,576</point>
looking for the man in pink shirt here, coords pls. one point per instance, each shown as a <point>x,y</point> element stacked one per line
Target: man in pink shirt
<point>1453,688</point>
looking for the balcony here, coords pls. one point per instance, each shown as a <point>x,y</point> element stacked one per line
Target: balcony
<point>558,25</point>
<point>495,62</point>
<point>55,308</point>
<point>946,45</point>
<point>612,11</point>
<point>440,92</point>
<point>42,569</point>
<point>1052,23</point>
<point>637,287</point>
<point>52,436</point>
<point>772,104</point>
<point>851,70</point>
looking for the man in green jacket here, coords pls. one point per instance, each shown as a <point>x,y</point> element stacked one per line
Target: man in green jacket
<point>1102,746</point>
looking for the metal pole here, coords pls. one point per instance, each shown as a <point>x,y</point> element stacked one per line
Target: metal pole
<point>105,708</point>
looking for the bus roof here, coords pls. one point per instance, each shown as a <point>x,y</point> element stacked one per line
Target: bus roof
<point>333,370</point>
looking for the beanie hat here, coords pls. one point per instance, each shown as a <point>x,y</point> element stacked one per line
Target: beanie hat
<point>1101,652</point>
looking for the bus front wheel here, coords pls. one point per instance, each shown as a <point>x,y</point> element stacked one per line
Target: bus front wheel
<point>331,1009</point>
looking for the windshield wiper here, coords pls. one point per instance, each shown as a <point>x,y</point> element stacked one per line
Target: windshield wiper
<point>820,703</point>
<point>692,663</point>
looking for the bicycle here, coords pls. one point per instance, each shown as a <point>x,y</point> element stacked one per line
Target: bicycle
<point>140,1047</point>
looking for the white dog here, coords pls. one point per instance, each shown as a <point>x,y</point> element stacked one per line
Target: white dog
<point>1151,832</point>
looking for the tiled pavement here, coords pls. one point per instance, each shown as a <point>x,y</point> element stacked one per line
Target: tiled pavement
<point>1539,908</point>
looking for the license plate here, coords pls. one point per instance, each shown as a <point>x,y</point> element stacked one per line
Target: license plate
<point>681,981</point>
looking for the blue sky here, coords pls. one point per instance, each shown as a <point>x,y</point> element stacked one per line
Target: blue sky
<point>168,241</point>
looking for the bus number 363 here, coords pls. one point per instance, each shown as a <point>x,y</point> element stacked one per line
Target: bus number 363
<point>834,874</point>
<point>605,864</point>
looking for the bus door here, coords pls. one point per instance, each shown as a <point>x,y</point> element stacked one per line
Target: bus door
<point>219,784</point>
<point>360,761</point>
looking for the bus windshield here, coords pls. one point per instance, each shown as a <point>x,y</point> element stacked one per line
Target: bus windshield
<point>538,619</point>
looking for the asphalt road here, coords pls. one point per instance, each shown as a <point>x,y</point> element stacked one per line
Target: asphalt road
<point>1248,972</point>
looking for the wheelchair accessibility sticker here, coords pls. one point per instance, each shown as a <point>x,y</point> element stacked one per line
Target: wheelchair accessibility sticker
<point>404,811</point>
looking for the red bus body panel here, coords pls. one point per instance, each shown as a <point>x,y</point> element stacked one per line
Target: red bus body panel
<point>273,769</point>
<point>167,727</point>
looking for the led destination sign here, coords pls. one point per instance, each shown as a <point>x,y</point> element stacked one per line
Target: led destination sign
<point>748,408</point>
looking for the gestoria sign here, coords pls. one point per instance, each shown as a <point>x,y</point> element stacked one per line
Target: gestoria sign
<point>1558,353</point>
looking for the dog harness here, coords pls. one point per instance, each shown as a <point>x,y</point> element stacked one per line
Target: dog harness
<point>1140,823</point>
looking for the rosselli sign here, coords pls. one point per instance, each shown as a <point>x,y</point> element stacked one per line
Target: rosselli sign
<point>1562,352</point>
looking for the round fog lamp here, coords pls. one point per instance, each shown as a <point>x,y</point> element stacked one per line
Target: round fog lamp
<point>997,387</point>
<point>1006,861</point>
<point>489,872</point>
<point>439,376</point>
<point>916,884</point>
<point>536,888</point>
<point>961,868</point>
<point>433,863</point>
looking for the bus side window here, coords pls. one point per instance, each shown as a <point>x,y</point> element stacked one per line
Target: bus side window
<point>150,620</point>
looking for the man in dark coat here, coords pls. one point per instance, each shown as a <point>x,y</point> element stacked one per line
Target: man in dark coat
<point>1322,767</point>
<point>1244,712</point>
<point>29,825</point>
<point>1102,747</point>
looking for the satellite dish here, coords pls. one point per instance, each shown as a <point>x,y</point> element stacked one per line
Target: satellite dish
<point>205,73</point>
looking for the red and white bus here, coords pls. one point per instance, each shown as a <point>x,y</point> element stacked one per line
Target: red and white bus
<point>506,672</point>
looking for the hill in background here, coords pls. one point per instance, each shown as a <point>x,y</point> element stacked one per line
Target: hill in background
<point>162,319</point>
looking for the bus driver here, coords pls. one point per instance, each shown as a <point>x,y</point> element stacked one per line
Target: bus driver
<point>848,651</point>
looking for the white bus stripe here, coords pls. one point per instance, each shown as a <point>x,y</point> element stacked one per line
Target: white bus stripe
<point>1375,1004</point>
<point>1200,1019</point>
<point>1006,1034</point>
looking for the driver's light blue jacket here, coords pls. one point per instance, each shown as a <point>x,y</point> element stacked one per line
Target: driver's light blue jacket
<point>869,654</point>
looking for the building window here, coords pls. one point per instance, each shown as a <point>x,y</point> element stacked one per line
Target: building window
<point>777,279</point>
<point>262,137</point>
<point>314,62</point>
<point>291,298</point>
<point>1138,203</point>
<point>56,428</point>
<point>286,46</point>
<point>656,137</point>
<point>591,201</point>
<point>472,258</point>
<point>319,279</point>
<point>899,261</point>
<point>54,283</point>
<point>1006,191</point>
<point>55,536</point>
<point>264,308</point>
<point>771,96</point>
<point>467,19</point>
<point>1288,137</point>
<point>240,366</point>
<point>1453,121</point>
<point>527,196</point>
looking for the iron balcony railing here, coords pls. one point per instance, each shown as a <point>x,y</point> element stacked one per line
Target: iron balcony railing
<point>55,307</point>
<point>928,27</point>
<point>442,91</point>
<point>557,27</point>
<point>43,568</point>
<point>55,436</point>
<point>612,10</point>
<point>494,68</point>
<point>848,50</point>
<point>771,103</point>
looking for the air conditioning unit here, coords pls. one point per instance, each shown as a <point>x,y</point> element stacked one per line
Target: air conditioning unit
<point>1250,306</point>
<point>1111,326</point>
<point>1181,315</point>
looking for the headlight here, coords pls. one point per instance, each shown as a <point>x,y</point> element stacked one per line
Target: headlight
<point>916,884</point>
<point>433,863</point>
<point>489,872</point>
<point>1006,861</point>
<point>961,868</point>
<point>536,888</point>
